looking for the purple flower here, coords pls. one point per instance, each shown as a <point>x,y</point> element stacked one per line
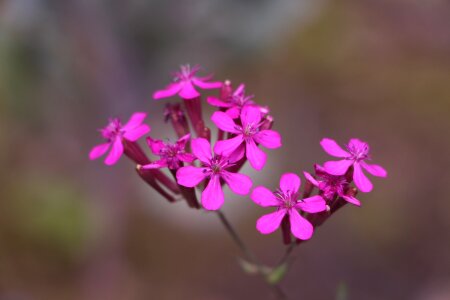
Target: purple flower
<point>235,102</point>
<point>287,201</point>
<point>214,168</point>
<point>331,185</point>
<point>184,82</point>
<point>356,154</point>
<point>249,132</point>
<point>115,132</point>
<point>172,154</point>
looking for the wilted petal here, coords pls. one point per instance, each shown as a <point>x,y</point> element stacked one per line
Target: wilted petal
<point>212,196</point>
<point>217,102</point>
<point>375,170</point>
<point>201,148</point>
<point>250,115</point>
<point>300,227</point>
<point>352,200</point>
<point>312,204</point>
<point>135,120</point>
<point>331,147</point>
<point>361,181</point>
<point>206,85</point>
<point>337,167</point>
<point>224,122</point>
<point>169,91</point>
<point>255,156</point>
<point>290,182</point>
<point>238,183</point>
<point>270,222</point>
<point>268,138</point>
<point>115,153</point>
<point>264,197</point>
<point>181,143</point>
<point>190,176</point>
<point>155,165</point>
<point>98,151</point>
<point>155,145</point>
<point>311,179</point>
<point>188,91</point>
<point>226,147</point>
<point>136,133</point>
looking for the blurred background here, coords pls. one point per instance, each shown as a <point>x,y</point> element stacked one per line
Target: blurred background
<point>75,229</point>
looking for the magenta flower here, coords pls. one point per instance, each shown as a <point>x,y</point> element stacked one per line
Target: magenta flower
<point>287,201</point>
<point>331,185</point>
<point>358,152</point>
<point>172,154</point>
<point>114,133</point>
<point>249,133</point>
<point>184,82</point>
<point>214,168</point>
<point>235,102</point>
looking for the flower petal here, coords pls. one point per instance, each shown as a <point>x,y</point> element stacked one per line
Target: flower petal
<point>331,147</point>
<point>224,122</point>
<point>188,91</point>
<point>238,183</point>
<point>162,163</point>
<point>255,156</point>
<point>217,102</point>
<point>201,148</point>
<point>300,227</point>
<point>206,85</point>
<point>115,153</point>
<point>186,157</point>
<point>361,181</point>
<point>190,176</point>
<point>264,197</point>
<point>234,112</point>
<point>135,120</point>
<point>237,154</point>
<point>338,167</point>
<point>136,133</point>
<point>270,222</point>
<point>250,115</point>
<point>375,170</point>
<point>311,179</point>
<point>290,182</point>
<point>181,143</point>
<point>212,196</point>
<point>98,151</point>
<point>169,91</point>
<point>352,200</point>
<point>226,147</point>
<point>268,138</point>
<point>155,145</point>
<point>312,204</point>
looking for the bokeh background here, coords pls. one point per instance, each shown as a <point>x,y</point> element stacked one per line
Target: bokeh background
<point>75,229</point>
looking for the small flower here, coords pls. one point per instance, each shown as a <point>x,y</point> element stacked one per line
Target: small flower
<point>331,185</point>
<point>235,102</point>
<point>287,201</point>
<point>356,154</point>
<point>250,133</point>
<point>214,168</point>
<point>172,154</point>
<point>184,82</point>
<point>115,132</point>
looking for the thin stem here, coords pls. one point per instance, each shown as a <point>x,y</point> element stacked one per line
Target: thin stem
<point>287,253</point>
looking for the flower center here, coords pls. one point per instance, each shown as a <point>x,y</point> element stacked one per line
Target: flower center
<point>288,199</point>
<point>358,152</point>
<point>217,165</point>
<point>113,129</point>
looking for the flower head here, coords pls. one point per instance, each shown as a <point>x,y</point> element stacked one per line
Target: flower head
<point>172,154</point>
<point>356,154</point>
<point>115,132</point>
<point>331,185</point>
<point>235,102</point>
<point>249,133</point>
<point>183,84</point>
<point>286,200</point>
<point>214,168</point>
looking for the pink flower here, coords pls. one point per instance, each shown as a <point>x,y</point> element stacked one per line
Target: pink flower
<point>356,154</point>
<point>172,155</point>
<point>249,132</point>
<point>115,132</point>
<point>235,102</point>
<point>214,168</point>
<point>287,201</point>
<point>331,185</point>
<point>184,82</point>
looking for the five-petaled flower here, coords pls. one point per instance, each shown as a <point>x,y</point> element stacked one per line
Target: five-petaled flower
<point>184,82</point>
<point>287,202</point>
<point>331,185</point>
<point>356,154</point>
<point>115,132</point>
<point>214,167</point>
<point>172,154</point>
<point>249,132</point>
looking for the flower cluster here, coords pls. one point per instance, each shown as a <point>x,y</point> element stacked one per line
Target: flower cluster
<point>198,162</point>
